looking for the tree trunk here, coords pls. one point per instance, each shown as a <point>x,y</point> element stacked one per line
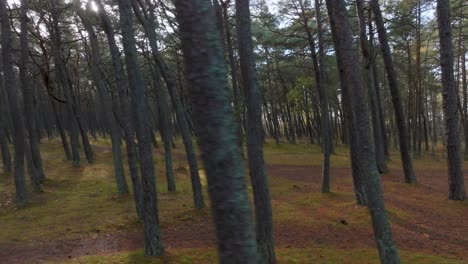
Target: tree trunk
<point>153,244</point>
<point>263,214</point>
<point>234,77</point>
<point>32,145</point>
<point>177,103</point>
<point>125,110</point>
<point>347,58</point>
<point>67,90</point>
<point>370,81</point>
<point>456,181</point>
<point>13,99</point>
<point>324,108</point>
<point>110,120</point>
<point>6,156</point>
<point>395,93</point>
<point>217,131</point>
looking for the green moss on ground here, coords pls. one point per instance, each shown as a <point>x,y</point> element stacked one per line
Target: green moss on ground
<point>80,202</point>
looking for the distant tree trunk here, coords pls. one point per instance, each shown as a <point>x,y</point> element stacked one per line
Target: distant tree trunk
<point>347,58</point>
<point>177,103</point>
<point>164,115</point>
<point>263,214</point>
<point>32,145</point>
<point>324,108</point>
<point>234,77</point>
<point>153,243</point>
<point>13,99</point>
<point>456,181</point>
<point>126,119</point>
<point>67,91</point>
<point>370,81</point>
<point>61,130</point>
<point>6,157</point>
<point>217,131</point>
<point>419,90</point>
<point>395,93</point>
<point>110,120</point>
<point>464,89</point>
<point>465,100</point>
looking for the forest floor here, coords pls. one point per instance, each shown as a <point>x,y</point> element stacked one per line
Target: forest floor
<point>79,219</point>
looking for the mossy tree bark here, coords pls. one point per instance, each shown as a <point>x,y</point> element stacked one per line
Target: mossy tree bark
<point>153,243</point>
<point>217,131</point>
<point>125,113</point>
<point>368,62</point>
<point>263,211</point>
<point>348,59</point>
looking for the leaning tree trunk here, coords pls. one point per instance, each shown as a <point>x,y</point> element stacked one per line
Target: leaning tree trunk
<point>33,155</point>
<point>149,25</point>
<point>456,181</point>
<point>395,93</point>
<point>13,99</point>
<point>348,59</point>
<point>153,243</point>
<point>217,131</point>
<point>263,214</point>
<point>125,111</point>
<point>370,81</point>
<point>163,113</point>
<point>110,120</point>
<point>61,76</point>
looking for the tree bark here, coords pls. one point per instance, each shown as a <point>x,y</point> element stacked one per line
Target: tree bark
<point>125,110</point>
<point>169,78</point>
<point>370,81</point>
<point>395,93</point>
<point>33,155</point>
<point>347,58</point>
<point>449,100</point>
<point>13,99</point>
<point>217,131</point>
<point>263,211</point>
<point>110,120</point>
<point>153,243</point>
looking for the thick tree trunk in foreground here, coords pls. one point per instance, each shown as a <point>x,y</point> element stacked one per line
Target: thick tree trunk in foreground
<point>456,181</point>
<point>348,59</point>
<point>153,243</point>
<point>13,99</point>
<point>263,214</point>
<point>395,93</point>
<point>217,131</point>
